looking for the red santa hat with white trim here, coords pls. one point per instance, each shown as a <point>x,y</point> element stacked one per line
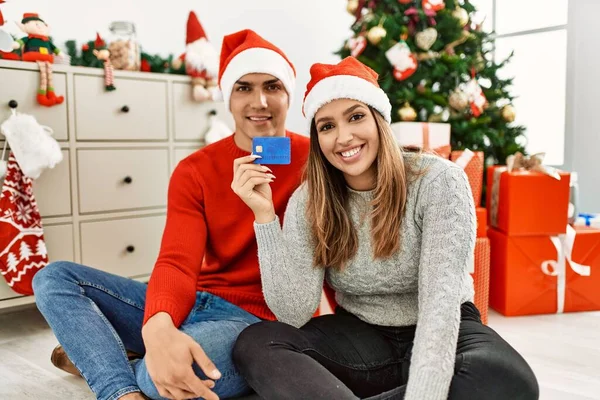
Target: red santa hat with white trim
<point>246,52</point>
<point>349,79</point>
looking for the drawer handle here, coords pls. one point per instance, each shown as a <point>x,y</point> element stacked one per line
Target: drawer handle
<point>128,180</point>
<point>125,109</point>
<point>13,104</point>
<point>130,249</point>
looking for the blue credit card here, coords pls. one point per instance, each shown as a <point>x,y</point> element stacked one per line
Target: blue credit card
<point>273,150</point>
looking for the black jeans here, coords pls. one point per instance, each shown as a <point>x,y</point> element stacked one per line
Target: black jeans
<point>341,357</point>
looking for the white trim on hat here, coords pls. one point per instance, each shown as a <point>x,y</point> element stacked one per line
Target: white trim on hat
<point>260,61</point>
<point>346,87</point>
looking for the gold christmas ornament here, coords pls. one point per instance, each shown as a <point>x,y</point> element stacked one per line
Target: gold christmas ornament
<point>376,34</point>
<point>480,62</point>
<point>461,15</point>
<point>407,113</point>
<point>352,6</point>
<point>458,100</point>
<point>426,38</point>
<point>508,113</point>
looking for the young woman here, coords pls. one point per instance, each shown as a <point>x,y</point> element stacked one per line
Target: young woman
<point>393,234</point>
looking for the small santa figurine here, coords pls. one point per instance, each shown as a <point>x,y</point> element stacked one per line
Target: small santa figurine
<point>201,62</point>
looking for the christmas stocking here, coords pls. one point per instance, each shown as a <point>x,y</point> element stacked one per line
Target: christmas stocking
<point>22,248</point>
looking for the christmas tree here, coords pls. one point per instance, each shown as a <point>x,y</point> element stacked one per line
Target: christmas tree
<point>435,63</point>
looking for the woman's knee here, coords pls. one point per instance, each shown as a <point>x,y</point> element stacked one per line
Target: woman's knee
<point>256,342</point>
<point>507,374</point>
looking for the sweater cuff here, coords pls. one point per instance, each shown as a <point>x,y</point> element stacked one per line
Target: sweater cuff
<point>167,306</point>
<point>267,234</point>
<point>427,384</point>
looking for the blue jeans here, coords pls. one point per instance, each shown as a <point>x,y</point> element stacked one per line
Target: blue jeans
<point>96,316</point>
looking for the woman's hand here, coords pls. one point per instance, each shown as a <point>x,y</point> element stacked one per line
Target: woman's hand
<point>251,184</point>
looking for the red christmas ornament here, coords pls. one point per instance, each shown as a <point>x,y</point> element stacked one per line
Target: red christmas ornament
<point>433,5</point>
<point>357,45</point>
<point>403,60</point>
<point>145,66</point>
<point>402,75</point>
<point>405,1</point>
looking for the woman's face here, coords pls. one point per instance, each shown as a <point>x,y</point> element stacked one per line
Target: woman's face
<point>349,139</point>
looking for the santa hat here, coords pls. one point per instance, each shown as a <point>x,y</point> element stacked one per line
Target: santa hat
<point>245,52</point>
<point>99,43</point>
<point>194,29</point>
<point>349,79</point>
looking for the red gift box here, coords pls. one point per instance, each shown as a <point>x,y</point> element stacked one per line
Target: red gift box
<point>524,202</point>
<point>481,222</point>
<point>481,277</point>
<point>472,163</point>
<point>545,274</point>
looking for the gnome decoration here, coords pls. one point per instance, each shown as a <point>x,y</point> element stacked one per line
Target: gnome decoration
<point>201,62</point>
<point>103,54</point>
<point>37,47</point>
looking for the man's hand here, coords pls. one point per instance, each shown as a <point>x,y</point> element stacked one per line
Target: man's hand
<point>170,354</point>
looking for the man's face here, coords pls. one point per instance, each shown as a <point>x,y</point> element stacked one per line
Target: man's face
<point>259,104</point>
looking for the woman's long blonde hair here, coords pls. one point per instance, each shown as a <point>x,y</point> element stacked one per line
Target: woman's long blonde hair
<point>335,239</point>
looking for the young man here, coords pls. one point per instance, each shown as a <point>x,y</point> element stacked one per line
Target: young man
<point>205,287</point>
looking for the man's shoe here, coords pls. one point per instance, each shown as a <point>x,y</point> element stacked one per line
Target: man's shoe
<point>61,361</point>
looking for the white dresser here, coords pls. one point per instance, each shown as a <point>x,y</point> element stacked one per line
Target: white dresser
<point>104,206</point>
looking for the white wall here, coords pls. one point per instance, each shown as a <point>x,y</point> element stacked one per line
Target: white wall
<point>308,31</point>
<point>582,140</point>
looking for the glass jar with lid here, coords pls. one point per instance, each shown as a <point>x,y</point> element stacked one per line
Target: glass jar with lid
<point>124,46</point>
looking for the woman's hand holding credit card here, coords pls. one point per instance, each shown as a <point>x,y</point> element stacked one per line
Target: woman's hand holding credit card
<point>251,183</point>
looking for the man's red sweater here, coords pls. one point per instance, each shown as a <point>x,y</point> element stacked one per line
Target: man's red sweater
<point>208,243</point>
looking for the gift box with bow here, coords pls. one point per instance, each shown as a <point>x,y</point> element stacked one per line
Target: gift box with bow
<point>527,198</point>
<point>545,274</point>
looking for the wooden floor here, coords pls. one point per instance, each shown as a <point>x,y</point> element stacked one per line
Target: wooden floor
<point>563,350</point>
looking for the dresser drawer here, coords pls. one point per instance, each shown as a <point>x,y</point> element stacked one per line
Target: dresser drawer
<point>191,118</point>
<point>23,86</point>
<point>52,189</point>
<point>59,243</point>
<point>123,179</point>
<point>126,247</point>
<point>137,110</point>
